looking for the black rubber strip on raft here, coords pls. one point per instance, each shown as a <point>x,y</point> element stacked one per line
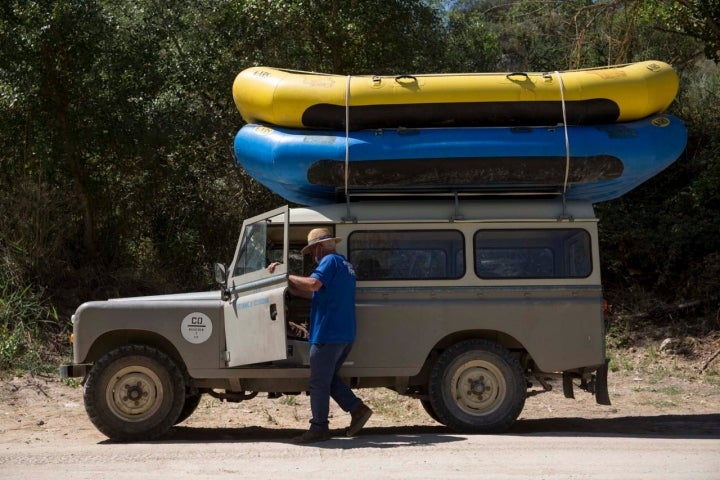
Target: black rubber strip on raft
<point>465,172</point>
<point>463,114</point>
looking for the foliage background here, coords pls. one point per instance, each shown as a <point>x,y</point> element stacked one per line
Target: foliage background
<point>116,127</point>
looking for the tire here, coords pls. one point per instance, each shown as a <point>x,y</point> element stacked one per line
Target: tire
<point>191,403</point>
<point>477,386</point>
<point>134,393</point>
<point>427,406</point>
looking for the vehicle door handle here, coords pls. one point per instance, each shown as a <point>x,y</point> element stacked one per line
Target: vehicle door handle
<point>273,311</point>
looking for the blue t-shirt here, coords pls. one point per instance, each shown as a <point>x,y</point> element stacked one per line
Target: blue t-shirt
<point>332,312</point>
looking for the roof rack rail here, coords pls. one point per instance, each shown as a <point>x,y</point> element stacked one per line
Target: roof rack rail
<point>418,193</point>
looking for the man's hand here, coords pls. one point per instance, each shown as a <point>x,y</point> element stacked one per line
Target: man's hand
<point>272,266</point>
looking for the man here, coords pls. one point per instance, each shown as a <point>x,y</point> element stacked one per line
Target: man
<point>332,333</point>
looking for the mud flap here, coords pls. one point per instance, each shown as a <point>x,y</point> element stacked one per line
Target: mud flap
<point>74,370</point>
<point>602,396</point>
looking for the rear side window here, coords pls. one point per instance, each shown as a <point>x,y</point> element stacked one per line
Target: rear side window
<point>551,253</point>
<point>407,254</point>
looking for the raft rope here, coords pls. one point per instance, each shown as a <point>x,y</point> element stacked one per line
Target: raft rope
<point>567,137</point>
<point>347,141</point>
<point>567,140</point>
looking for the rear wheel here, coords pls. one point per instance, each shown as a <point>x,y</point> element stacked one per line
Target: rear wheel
<point>477,386</point>
<point>134,393</point>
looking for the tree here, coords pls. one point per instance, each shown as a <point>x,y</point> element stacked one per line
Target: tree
<point>117,120</point>
<point>341,37</point>
<point>698,19</point>
<point>117,123</point>
<point>473,43</point>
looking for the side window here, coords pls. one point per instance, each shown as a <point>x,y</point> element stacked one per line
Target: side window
<point>407,254</point>
<point>262,240</point>
<point>252,254</point>
<point>298,264</point>
<point>275,246</point>
<point>551,253</point>
<point>261,245</point>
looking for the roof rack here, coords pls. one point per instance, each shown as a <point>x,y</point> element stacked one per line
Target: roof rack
<point>415,193</point>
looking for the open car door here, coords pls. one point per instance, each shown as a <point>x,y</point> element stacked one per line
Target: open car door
<point>255,312</point>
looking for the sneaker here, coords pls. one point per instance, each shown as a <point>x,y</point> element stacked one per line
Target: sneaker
<point>359,418</point>
<point>312,436</point>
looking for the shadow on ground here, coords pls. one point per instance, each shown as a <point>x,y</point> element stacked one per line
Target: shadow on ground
<point>676,426</point>
<point>659,426</point>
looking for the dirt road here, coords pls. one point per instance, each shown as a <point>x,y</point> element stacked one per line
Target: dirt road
<point>669,430</point>
<point>382,454</point>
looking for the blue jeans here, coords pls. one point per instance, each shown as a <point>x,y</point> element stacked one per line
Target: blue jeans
<point>325,362</point>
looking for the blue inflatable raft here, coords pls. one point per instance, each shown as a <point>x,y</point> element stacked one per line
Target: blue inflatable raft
<point>597,163</point>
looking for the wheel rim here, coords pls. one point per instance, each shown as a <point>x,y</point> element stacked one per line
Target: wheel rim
<point>134,393</point>
<point>478,387</point>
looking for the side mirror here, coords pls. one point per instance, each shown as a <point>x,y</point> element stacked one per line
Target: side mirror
<point>220,274</point>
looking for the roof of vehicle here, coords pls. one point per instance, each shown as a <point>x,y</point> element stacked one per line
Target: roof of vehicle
<point>445,209</point>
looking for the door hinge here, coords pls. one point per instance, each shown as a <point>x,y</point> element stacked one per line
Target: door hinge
<point>226,356</point>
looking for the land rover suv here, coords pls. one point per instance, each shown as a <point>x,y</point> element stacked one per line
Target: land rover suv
<point>463,304</point>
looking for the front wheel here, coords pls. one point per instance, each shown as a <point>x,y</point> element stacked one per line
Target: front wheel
<point>477,386</point>
<point>427,406</point>
<point>134,392</point>
<point>191,403</point>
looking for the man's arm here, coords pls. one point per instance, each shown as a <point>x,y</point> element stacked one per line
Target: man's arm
<point>304,286</point>
<point>299,286</point>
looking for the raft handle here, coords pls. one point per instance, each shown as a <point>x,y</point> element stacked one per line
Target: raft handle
<point>517,74</point>
<point>398,78</point>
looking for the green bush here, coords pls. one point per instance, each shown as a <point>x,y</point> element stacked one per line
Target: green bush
<point>662,238</point>
<point>24,316</point>
<point>11,344</point>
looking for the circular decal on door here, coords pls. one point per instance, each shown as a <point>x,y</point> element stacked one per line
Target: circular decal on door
<point>196,327</point>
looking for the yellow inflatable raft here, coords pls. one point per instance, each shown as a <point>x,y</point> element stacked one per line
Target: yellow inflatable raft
<point>314,100</point>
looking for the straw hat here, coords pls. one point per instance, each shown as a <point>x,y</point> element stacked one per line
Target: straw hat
<point>319,235</point>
